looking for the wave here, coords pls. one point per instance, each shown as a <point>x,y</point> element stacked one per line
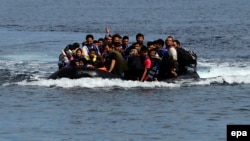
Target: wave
<point>33,73</point>
<point>117,83</point>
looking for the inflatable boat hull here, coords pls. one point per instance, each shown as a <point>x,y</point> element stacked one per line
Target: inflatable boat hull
<point>80,72</point>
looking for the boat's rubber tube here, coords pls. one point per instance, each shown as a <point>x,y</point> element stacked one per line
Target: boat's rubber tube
<point>79,72</point>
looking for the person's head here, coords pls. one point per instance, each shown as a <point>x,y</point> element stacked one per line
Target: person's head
<point>116,38</point>
<point>108,47</point>
<point>109,39</point>
<point>78,52</point>
<point>92,53</point>
<point>177,43</point>
<point>67,48</point>
<point>144,52</point>
<point>169,41</point>
<point>118,46</point>
<point>156,44</point>
<point>89,39</point>
<point>66,51</point>
<point>95,42</point>
<point>125,40</point>
<point>150,45</point>
<point>83,43</point>
<point>76,45</point>
<point>133,52</point>
<point>79,62</point>
<point>152,53</point>
<point>100,42</point>
<point>73,48</point>
<point>140,38</point>
<point>160,42</point>
<point>138,47</point>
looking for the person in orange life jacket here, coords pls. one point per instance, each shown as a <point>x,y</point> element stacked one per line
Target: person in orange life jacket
<point>100,63</point>
<point>115,62</point>
<point>91,59</point>
<point>173,53</point>
<point>147,64</point>
<point>89,44</point>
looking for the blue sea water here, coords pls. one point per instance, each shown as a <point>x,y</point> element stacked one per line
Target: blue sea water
<point>34,108</point>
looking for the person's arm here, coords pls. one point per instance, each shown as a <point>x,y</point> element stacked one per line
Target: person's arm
<point>147,65</point>
<point>85,51</point>
<point>112,65</point>
<point>107,32</point>
<point>144,74</point>
<point>175,63</point>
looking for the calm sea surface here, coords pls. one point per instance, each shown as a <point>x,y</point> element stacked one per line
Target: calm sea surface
<point>32,33</point>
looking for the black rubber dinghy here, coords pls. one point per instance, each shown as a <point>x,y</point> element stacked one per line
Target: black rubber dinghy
<point>80,72</point>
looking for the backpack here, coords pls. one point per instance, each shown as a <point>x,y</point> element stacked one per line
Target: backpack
<point>186,58</point>
<point>135,63</point>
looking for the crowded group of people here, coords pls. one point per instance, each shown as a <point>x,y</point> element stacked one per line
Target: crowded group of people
<point>113,53</point>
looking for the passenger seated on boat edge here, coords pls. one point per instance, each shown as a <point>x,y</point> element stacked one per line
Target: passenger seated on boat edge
<point>89,44</point>
<point>115,62</point>
<point>155,65</point>
<point>173,54</point>
<point>186,58</point>
<point>146,64</point>
<point>66,56</point>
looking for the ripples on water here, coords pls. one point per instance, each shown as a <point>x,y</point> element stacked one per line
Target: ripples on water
<point>142,114</point>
